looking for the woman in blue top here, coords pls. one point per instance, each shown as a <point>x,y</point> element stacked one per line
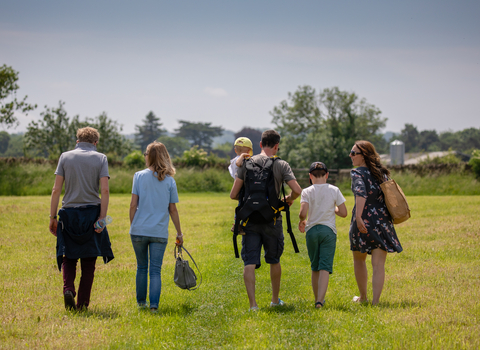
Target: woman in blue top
<point>154,195</point>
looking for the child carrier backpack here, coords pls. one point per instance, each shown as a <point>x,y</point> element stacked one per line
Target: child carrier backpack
<point>259,202</point>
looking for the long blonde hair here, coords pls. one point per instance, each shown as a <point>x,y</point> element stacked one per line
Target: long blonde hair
<point>159,159</point>
<point>372,160</point>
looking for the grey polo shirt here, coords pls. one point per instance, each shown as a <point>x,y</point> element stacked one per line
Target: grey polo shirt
<point>82,169</point>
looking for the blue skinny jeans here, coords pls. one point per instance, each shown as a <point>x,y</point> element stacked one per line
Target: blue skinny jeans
<point>149,249</point>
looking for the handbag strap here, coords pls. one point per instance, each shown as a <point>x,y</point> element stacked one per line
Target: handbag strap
<point>179,254</point>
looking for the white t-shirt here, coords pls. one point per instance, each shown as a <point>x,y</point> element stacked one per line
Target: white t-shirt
<point>322,199</point>
<point>232,168</point>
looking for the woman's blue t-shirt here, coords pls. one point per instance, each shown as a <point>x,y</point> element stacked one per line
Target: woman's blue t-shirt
<point>152,216</point>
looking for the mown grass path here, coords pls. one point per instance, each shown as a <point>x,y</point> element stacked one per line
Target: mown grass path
<point>431,296</point>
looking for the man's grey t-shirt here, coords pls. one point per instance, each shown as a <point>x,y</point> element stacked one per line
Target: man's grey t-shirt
<point>281,171</point>
<point>82,169</point>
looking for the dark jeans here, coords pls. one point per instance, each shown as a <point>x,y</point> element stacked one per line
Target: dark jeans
<point>69,268</point>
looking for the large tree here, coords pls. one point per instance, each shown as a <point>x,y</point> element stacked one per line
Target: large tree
<point>198,134</point>
<point>112,142</point>
<point>56,133</point>
<point>429,141</point>
<point>149,131</point>
<point>50,136</point>
<point>323,127</point>
<point>410,137</point>
<point>175,145</point>
<point>8,97</point>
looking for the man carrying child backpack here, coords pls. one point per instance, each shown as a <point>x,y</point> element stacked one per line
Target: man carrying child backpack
<point>260,231</point>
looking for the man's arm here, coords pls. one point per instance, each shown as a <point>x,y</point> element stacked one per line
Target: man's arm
<point>296,191</point>
<point>104,190</point>
<point>55,199</point>
<point>237,186</point>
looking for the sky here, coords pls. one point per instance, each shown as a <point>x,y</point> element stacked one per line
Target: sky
<point>230,63</point>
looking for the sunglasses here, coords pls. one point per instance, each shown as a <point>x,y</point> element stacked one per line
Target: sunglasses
<point>353,153</point>
<point>145,154</point>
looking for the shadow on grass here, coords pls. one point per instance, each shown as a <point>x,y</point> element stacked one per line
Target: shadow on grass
<point>181,310</point>
<point>279,309</point>
<point>408,304</point>
<point>96,313</point>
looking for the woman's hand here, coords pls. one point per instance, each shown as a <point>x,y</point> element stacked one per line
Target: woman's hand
<point>359,208</point>
<point>179,240</point>
<point>361,225</point>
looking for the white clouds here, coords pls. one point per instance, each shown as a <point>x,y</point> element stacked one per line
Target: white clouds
<point>215,92</point>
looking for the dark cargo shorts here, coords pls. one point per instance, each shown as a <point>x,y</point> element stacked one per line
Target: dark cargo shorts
<point>270,236</point>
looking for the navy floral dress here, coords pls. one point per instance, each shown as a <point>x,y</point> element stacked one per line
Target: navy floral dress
<point>380,231</point>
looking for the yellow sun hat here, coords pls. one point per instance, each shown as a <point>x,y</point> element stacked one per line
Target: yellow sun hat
<point>244,142</point>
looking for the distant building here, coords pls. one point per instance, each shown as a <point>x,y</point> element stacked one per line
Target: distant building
<point>397,153</point>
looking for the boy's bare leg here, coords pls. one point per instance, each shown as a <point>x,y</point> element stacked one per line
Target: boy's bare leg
<point>315,276</point>
<point>322,285</point>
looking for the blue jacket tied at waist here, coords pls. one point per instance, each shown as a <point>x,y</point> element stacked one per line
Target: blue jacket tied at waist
<point>76,236</point>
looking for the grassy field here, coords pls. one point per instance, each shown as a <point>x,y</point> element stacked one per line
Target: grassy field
<point>430,300</point>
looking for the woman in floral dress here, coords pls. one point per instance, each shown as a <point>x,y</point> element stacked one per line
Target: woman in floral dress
<point>371,228</point>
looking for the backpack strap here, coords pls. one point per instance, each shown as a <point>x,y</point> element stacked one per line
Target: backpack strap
<point>289,222</point>
<point>235,232</point>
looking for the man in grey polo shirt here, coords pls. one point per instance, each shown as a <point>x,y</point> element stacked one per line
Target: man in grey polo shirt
<point>84,171</point>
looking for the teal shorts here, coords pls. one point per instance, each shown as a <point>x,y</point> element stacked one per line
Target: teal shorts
<point>321,244</point>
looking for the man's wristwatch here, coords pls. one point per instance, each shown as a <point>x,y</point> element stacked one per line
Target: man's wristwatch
<point>53,216</point>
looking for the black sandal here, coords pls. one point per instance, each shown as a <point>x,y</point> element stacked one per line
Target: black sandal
<point>319,303</point>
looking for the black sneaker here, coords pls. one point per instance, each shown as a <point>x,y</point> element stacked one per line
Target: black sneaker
<point>69,300</point>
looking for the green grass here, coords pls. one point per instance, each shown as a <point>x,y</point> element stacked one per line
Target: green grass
<point>430,300</point>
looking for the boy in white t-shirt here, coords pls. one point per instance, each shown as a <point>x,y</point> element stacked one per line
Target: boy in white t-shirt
<point>243,148</point>
<point>321,201</point>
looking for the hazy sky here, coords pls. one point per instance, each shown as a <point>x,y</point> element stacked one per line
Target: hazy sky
<point>230,62</point>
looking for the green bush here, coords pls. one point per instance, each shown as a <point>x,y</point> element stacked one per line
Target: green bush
<point>475,162</point>
<point>197,157</point>
<point>208,180</point>
<point>134,160</point>
<point>26,179</point>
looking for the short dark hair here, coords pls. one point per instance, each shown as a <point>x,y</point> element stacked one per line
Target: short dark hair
<point>270,138</point>
<point>318,172</point>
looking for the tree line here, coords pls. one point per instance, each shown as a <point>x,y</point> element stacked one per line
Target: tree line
<point>314,126</point>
